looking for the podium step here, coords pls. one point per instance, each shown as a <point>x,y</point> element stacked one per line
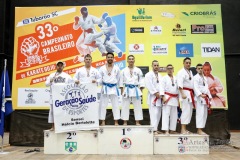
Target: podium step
<point>125,140</point>
<point>181,144</point>
<point>77,142</point>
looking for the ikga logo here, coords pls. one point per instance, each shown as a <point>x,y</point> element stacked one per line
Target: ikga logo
<point>156,30</point>
<point>203,29</point>
<point>75,99</point>
<point>207,14</point>
<point>136,48</point>
<point>178,30</point>
<point>211,49</point>
<point>141,15</point>
<point>184,50</point>
<point>160,49</point>
<point>125,143</point>
<point>70,146</point>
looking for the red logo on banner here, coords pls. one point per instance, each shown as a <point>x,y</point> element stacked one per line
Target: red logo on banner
<point>49,43</point>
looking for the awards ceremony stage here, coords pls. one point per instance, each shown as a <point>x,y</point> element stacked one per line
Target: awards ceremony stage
<point>215,152</point>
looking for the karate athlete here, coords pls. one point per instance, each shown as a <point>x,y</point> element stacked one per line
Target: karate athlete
<point>87,73</point>
<point>132,80</point>
<point>110,75</point>
<point>186,97</point>
<point>153,82</point>
<point>84,43</point>
<point>110,30</point>
<point>58,77</point>
<point>170,101</point>
<point>203,97</point>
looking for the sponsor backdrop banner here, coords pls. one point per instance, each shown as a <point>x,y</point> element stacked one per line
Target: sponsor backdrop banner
<point>167,33</point>
<point>75,107</point>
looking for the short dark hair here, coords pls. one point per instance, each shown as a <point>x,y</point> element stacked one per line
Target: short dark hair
<point>169,65</point>
<point>87,55</point>
<point>187,58</point>
<point>110,53</point>
<point>83,9</point>
<point>154,61</point>
<point>199,65</point>
<point>130,56</point>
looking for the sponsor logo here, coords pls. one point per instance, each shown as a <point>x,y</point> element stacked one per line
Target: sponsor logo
<point>70,147</point>
<point>181,149</point>
<point>167,14</point>
<point>156,30</point>
<point>141,15</point>
<point>160,49</point>
<point>207,14</point>
<point>40,18</point>
<point>211,49</point>
<point>184,50</point>
<point>178,30</point>
<point>136,48</point>
<point>137,30</point>
<point>75,99</point>
<point>125,143</point>
<point>30,99</point>
<point>203,29</point>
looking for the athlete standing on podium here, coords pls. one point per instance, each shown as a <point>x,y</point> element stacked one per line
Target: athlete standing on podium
<point>87,73</point>
<point>203,97</point>
<point>132,79</point>
<point>153,82</point>
<point>110,75</point>
<point>169,109</point>
<point>186,97</point>
<point>55,78</point>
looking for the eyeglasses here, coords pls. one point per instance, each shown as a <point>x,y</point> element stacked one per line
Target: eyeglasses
<point>169,68</point>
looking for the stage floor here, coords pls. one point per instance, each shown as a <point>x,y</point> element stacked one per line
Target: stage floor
<point>219,152</point>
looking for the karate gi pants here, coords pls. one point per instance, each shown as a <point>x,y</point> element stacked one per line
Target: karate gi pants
<point>138,114</point>
<point>201,115</point>
<point>187,109</point>
<point>104,103</point>
<point>155,115</point>
<point>169,117</point>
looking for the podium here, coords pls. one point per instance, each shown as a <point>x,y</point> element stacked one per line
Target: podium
<point>125,140</point>
<point>181,144</point>
<point>78,142</point>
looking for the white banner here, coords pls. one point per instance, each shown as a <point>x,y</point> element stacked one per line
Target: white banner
<point>75,107</point>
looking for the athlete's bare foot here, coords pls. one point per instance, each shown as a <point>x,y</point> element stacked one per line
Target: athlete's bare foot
<point>103,123</point>
<point>116,123</point>
<point>138,123</point>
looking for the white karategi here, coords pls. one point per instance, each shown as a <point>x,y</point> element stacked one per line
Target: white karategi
<point>186,104</point>
<point>132,81</point>
<point>169,109</point>
<point>110,91</point>
<point>58,78</point>
<point>201,87</point>
<point>217,100</point>
<point>84,39</point>
<point>86,77</point>
<point>153,84</point>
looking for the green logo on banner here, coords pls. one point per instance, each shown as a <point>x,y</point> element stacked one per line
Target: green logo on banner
<point>141,15</point>
<point>70,146</point>
<point>185,13</point>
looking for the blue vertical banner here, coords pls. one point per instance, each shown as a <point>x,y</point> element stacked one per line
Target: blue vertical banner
<point>6,106</point>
